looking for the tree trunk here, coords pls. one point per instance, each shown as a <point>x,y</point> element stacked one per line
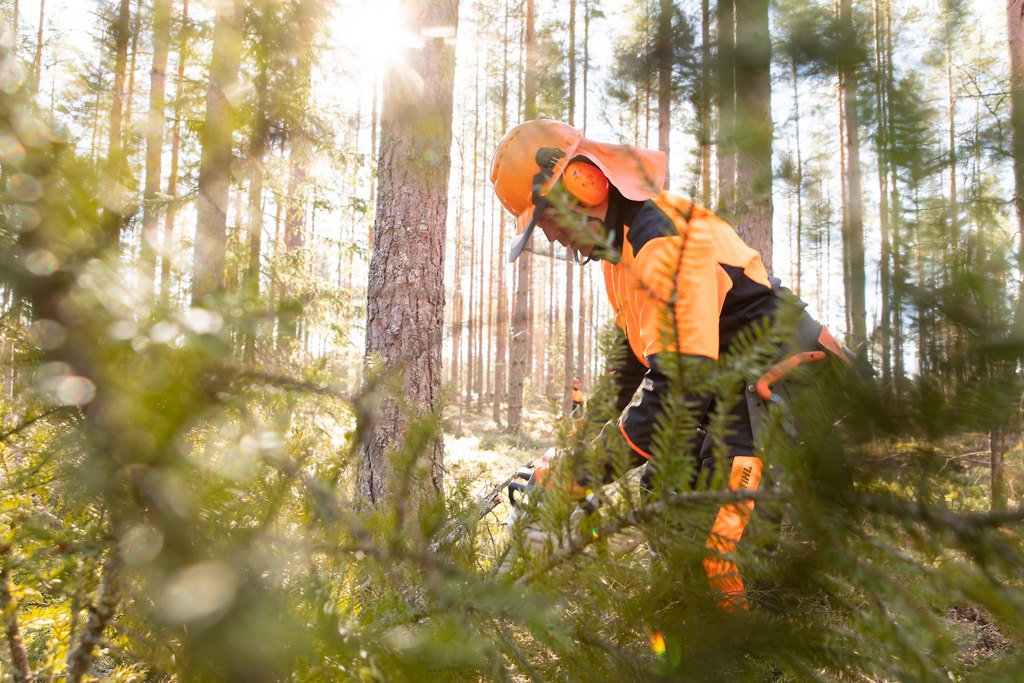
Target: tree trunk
<point>117,166</point>
<point>799,183</point>
<point>501,345</point>
<point>898,278</point>
<point>665,60</point>
<point>172,178</point>
<point>257,151</point>
<point>853,228</point>
<point>155,140</point>
<point>215,162</point>
<point>405,292</point>
<point>704,105</point>
<point>726,142</point>
<point>997,448</point>
<point>882,155</point>
<point>1015,32</point>
<point>37,71</point>
<point>521,314</point>
<point>754,127</point>
<point>130,92</point>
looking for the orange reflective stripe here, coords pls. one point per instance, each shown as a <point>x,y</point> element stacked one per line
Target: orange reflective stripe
<point>622,430</point>
<point>723,574</point>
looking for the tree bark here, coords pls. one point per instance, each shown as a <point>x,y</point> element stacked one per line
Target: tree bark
<point>1015,33</point>
<point>704,104</point>
<point>37,70</point>
<point>665,60</point>
<point>405,292</point>
<point>501,346</point>
<point>117,165</point>
<point>726,92</point>
<point>130,91</point>
<point>521,315</point>
<point>884,259</point>
<point>300,68</point>
<point>754,128</point>
<point>853,228</point>
<point>257,152</point>
<point>799,183</point>
<point>155,140</point>
<point>215,162</point>
<point>172,178</point>
<point>997,448</point>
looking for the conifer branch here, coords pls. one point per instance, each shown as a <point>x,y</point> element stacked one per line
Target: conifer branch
<point>12,629</point>
<point>107,601</point>
<point>646,513</point>
<point>962,523</point>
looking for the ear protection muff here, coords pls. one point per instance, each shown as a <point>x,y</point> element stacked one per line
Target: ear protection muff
<point>586,182</point>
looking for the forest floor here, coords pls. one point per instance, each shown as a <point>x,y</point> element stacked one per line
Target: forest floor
<point>478,450</point>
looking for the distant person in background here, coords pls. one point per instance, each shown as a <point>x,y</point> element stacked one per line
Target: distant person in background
<point>577,397</point>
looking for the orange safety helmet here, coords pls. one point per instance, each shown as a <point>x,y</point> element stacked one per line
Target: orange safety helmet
<point>532,157</point>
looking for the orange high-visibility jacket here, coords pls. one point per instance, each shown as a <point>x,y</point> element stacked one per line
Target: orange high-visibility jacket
<point>685,283</point>
<point>681,263</point>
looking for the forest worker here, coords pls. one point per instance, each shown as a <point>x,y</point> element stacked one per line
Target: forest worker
<point>664,259</point>
<point>577,396</point>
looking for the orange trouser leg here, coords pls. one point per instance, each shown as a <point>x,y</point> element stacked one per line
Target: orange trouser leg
<point>723,574</point>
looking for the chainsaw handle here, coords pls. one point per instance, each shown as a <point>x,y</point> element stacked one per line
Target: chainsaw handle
<point>781,369</point>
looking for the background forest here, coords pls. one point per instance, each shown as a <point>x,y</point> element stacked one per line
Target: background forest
<point>256,309</point>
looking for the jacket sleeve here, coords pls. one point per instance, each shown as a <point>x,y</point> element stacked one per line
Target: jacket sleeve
<point>638,421</point>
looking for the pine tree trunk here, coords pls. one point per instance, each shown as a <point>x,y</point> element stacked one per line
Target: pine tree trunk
<point>704,106</point>
<point>172,178</point>
<point>215,163</point>
<point>521,314</point>
<point>1015,33</point>
<point>117,165</point>
<point>474,263</point>
<point>799,182</point>
<point>130,93</point>
<point>405,292</point>
<point>898,278</point>
<point>37,71</point>
<point>155,140</point>
<point>853,228</point>
<point>456,312</point>
<point>501,345</point>
<point>665,60</point>
<point>726,92</point>
<point>754,127</point>
<point>254,226</point>
<point>478,379</point>
<point>998,448</point>
<point>884,260</point>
